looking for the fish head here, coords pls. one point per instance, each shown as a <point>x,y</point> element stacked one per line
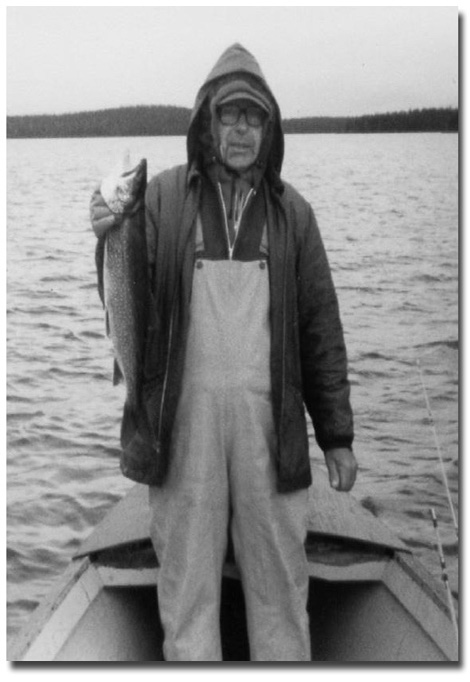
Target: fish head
<point>123,186</point>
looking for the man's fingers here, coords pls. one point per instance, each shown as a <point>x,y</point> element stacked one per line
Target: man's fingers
<point>103,224</point>
<point>342,468</point>
<point>347,479</point>
<point>333,474</point>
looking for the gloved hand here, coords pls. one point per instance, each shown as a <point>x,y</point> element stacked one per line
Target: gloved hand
<point>101,216</point>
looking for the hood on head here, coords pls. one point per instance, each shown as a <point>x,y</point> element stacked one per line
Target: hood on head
<point>235,64</point>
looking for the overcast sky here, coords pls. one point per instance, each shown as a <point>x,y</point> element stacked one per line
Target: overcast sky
<point>318,60</point>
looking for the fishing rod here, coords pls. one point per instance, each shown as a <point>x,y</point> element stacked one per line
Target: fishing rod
<point>445,577</point>
<point>438,448</point>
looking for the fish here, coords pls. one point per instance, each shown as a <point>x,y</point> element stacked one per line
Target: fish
<point>123,282</point>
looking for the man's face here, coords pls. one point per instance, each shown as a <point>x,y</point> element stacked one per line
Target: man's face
<point>240,130</point>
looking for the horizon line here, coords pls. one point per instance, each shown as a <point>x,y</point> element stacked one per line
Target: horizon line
<point>189,109</point>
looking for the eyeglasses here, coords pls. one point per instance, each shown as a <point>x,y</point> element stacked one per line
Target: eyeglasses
<point>229,115</point>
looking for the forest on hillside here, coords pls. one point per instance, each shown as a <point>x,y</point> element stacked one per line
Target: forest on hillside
<point>170,120</point>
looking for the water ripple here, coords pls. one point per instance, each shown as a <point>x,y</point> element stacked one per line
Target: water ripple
<point>391,231</point>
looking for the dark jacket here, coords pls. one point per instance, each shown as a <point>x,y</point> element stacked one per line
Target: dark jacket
<point>308,357</point>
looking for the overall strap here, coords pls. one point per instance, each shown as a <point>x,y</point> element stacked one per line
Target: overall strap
<point>263,247</point>
<point>200,246</point>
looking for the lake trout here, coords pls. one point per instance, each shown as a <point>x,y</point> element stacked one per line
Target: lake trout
<point>121,259</point>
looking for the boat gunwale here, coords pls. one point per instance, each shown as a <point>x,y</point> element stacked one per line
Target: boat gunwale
<point>334,557</point>
<point>41,616</point>
<point>391,572</point>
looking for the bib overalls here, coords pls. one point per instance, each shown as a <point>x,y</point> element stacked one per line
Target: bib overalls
<point>222,476</point>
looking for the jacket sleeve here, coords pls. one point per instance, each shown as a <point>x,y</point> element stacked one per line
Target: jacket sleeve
<point>326,388</point>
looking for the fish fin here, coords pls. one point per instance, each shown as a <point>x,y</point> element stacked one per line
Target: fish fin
<point>117,374</point>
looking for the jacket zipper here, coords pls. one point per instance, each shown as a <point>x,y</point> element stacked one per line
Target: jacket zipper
<point>251,193</point>
<point>165,380</point>
<point>284,329</point>
<point>284,334</point>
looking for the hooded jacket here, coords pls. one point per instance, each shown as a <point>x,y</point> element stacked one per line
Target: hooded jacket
<point>308,357</point>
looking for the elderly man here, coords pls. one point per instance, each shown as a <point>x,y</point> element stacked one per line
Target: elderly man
<point>244,332</point>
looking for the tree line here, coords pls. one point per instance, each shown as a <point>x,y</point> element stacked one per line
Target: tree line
<point>121,122</point>
<point>170,120</point>
<point>413,121</point>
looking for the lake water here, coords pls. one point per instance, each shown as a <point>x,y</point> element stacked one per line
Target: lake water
<point>387,206</point>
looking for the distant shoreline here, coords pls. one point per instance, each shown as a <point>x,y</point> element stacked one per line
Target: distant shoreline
<point>153,121</point>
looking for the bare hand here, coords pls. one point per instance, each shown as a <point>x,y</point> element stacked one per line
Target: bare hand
<point>101,216</point>
<point>342,468</point>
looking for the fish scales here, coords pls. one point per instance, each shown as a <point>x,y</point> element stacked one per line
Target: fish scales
<point>122,261</point>
<point>126,300</point>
